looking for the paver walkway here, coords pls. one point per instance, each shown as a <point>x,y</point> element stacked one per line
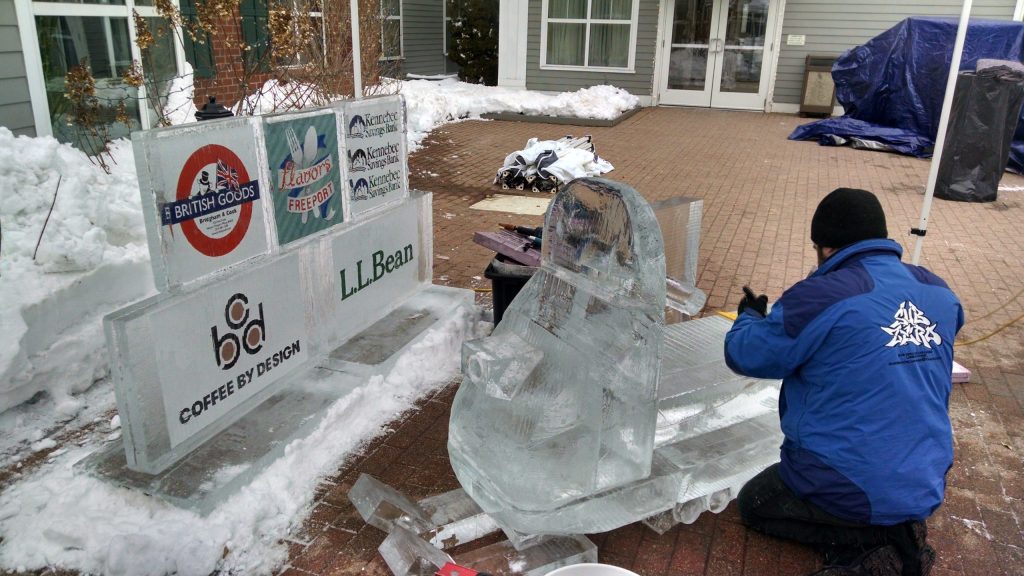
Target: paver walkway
<point>759,193</point>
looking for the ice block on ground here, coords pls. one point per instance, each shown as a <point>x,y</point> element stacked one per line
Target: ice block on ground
<point>381,506</point>
<point>543,556</point>
<point>406,554</point>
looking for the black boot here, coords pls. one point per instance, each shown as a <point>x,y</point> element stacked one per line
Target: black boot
<point>910,539</point>
<point>878,561</point>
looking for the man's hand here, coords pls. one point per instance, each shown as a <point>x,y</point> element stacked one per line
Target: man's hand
<point>754,304</point>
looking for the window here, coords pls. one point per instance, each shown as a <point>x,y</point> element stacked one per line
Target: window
<point>255,34</point>
<point>391,29</point>
<point>308,38</point>
<point>451,9</point>
<point>198,51</point>
<point>595,34</point>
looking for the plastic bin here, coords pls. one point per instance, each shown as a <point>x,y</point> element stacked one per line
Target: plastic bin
<point>507,279</point>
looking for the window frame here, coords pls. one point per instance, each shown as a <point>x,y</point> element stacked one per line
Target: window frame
<point>401,32</point>
<point>26,12</point>
<point>588,21</point>
<point>311,13</point>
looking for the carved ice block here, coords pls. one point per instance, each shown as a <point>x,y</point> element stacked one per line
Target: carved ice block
<point>583,417</point>
<point>680,219</point>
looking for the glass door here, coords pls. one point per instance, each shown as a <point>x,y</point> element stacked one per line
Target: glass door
<point>715,54</point>
<point>740,56</point>
<point>690,54</point>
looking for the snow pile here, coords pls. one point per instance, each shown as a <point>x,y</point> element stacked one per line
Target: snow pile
<point>276,96</point>
<point>431,104</point>
<point>59,517</point>
<point>92,258</point>
<point>180,107</point>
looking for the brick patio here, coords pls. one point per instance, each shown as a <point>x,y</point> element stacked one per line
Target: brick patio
<point>759,193</point>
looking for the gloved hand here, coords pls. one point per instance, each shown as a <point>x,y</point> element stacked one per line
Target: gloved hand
<point>751,303</point>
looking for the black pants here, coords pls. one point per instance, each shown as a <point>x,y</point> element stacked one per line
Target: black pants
<point>769,506</point>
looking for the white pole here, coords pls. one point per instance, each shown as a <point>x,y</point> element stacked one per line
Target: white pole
<point>357,63</point>
<point>940,138</point>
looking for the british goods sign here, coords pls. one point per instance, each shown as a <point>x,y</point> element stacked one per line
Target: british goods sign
<point>201,191</point>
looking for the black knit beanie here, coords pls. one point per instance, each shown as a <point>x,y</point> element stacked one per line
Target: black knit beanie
<point>845,216</point>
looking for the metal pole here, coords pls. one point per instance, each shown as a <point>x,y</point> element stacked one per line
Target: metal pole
<point>940,138</point>
<point>357,63</point>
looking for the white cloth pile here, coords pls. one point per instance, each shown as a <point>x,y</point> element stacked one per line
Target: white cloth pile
<point>544,165</point>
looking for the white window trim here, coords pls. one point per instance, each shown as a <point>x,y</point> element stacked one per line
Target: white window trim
<point>629,69</point>
<point>445,21</point>
<point>26,12</point>
<point>401,34</point>
<point>323,32</point>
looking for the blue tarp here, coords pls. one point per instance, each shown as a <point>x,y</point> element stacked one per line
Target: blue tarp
<point>892,87</point>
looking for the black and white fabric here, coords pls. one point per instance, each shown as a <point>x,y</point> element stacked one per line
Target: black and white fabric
<point>544,165</point>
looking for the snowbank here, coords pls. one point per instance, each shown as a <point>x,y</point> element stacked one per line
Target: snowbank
<point>431,104</point>
<point>59,517</point>
<point>92,259</point>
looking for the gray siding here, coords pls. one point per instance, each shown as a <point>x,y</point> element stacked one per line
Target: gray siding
<point>423,37</point>
<point>834,26</point>
<point>639,82</point>
<point>15,107</point>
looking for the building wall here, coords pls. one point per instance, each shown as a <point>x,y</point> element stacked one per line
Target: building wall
<point>834,26</point>
<point>423,37</point>
<point>640,82</point>
<point>15,107</point>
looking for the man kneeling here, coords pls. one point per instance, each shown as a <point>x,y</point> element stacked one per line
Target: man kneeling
<point>865,350</point>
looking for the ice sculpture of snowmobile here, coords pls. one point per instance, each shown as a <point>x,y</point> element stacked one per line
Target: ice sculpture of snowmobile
<point>583,411</point>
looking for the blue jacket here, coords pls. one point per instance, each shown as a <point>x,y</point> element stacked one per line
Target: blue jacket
<point>865,350</point>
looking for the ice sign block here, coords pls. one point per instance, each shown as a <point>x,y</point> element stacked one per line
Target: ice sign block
<point>185,366</point>
<point>202,197</point>
<point>375,148</point>
<point>559,404</point>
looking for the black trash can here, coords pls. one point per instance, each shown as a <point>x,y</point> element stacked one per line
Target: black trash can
<point>507,279</point>
<point>982,121</point>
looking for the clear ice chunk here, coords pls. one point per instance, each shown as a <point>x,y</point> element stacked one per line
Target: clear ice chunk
<point>583,411</point>
<point>406,554</point>
<point>445,520</point>
<point>537,559</point>
<point>381,506</point>
<point>456,518</point>
<point>679,219</point>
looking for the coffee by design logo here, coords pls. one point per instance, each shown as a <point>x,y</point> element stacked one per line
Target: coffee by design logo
<point>228,347</point>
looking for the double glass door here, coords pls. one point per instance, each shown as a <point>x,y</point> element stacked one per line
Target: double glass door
<point>715,53</point>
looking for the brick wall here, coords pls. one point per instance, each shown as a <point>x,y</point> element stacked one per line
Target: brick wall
<point>230,82</point>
